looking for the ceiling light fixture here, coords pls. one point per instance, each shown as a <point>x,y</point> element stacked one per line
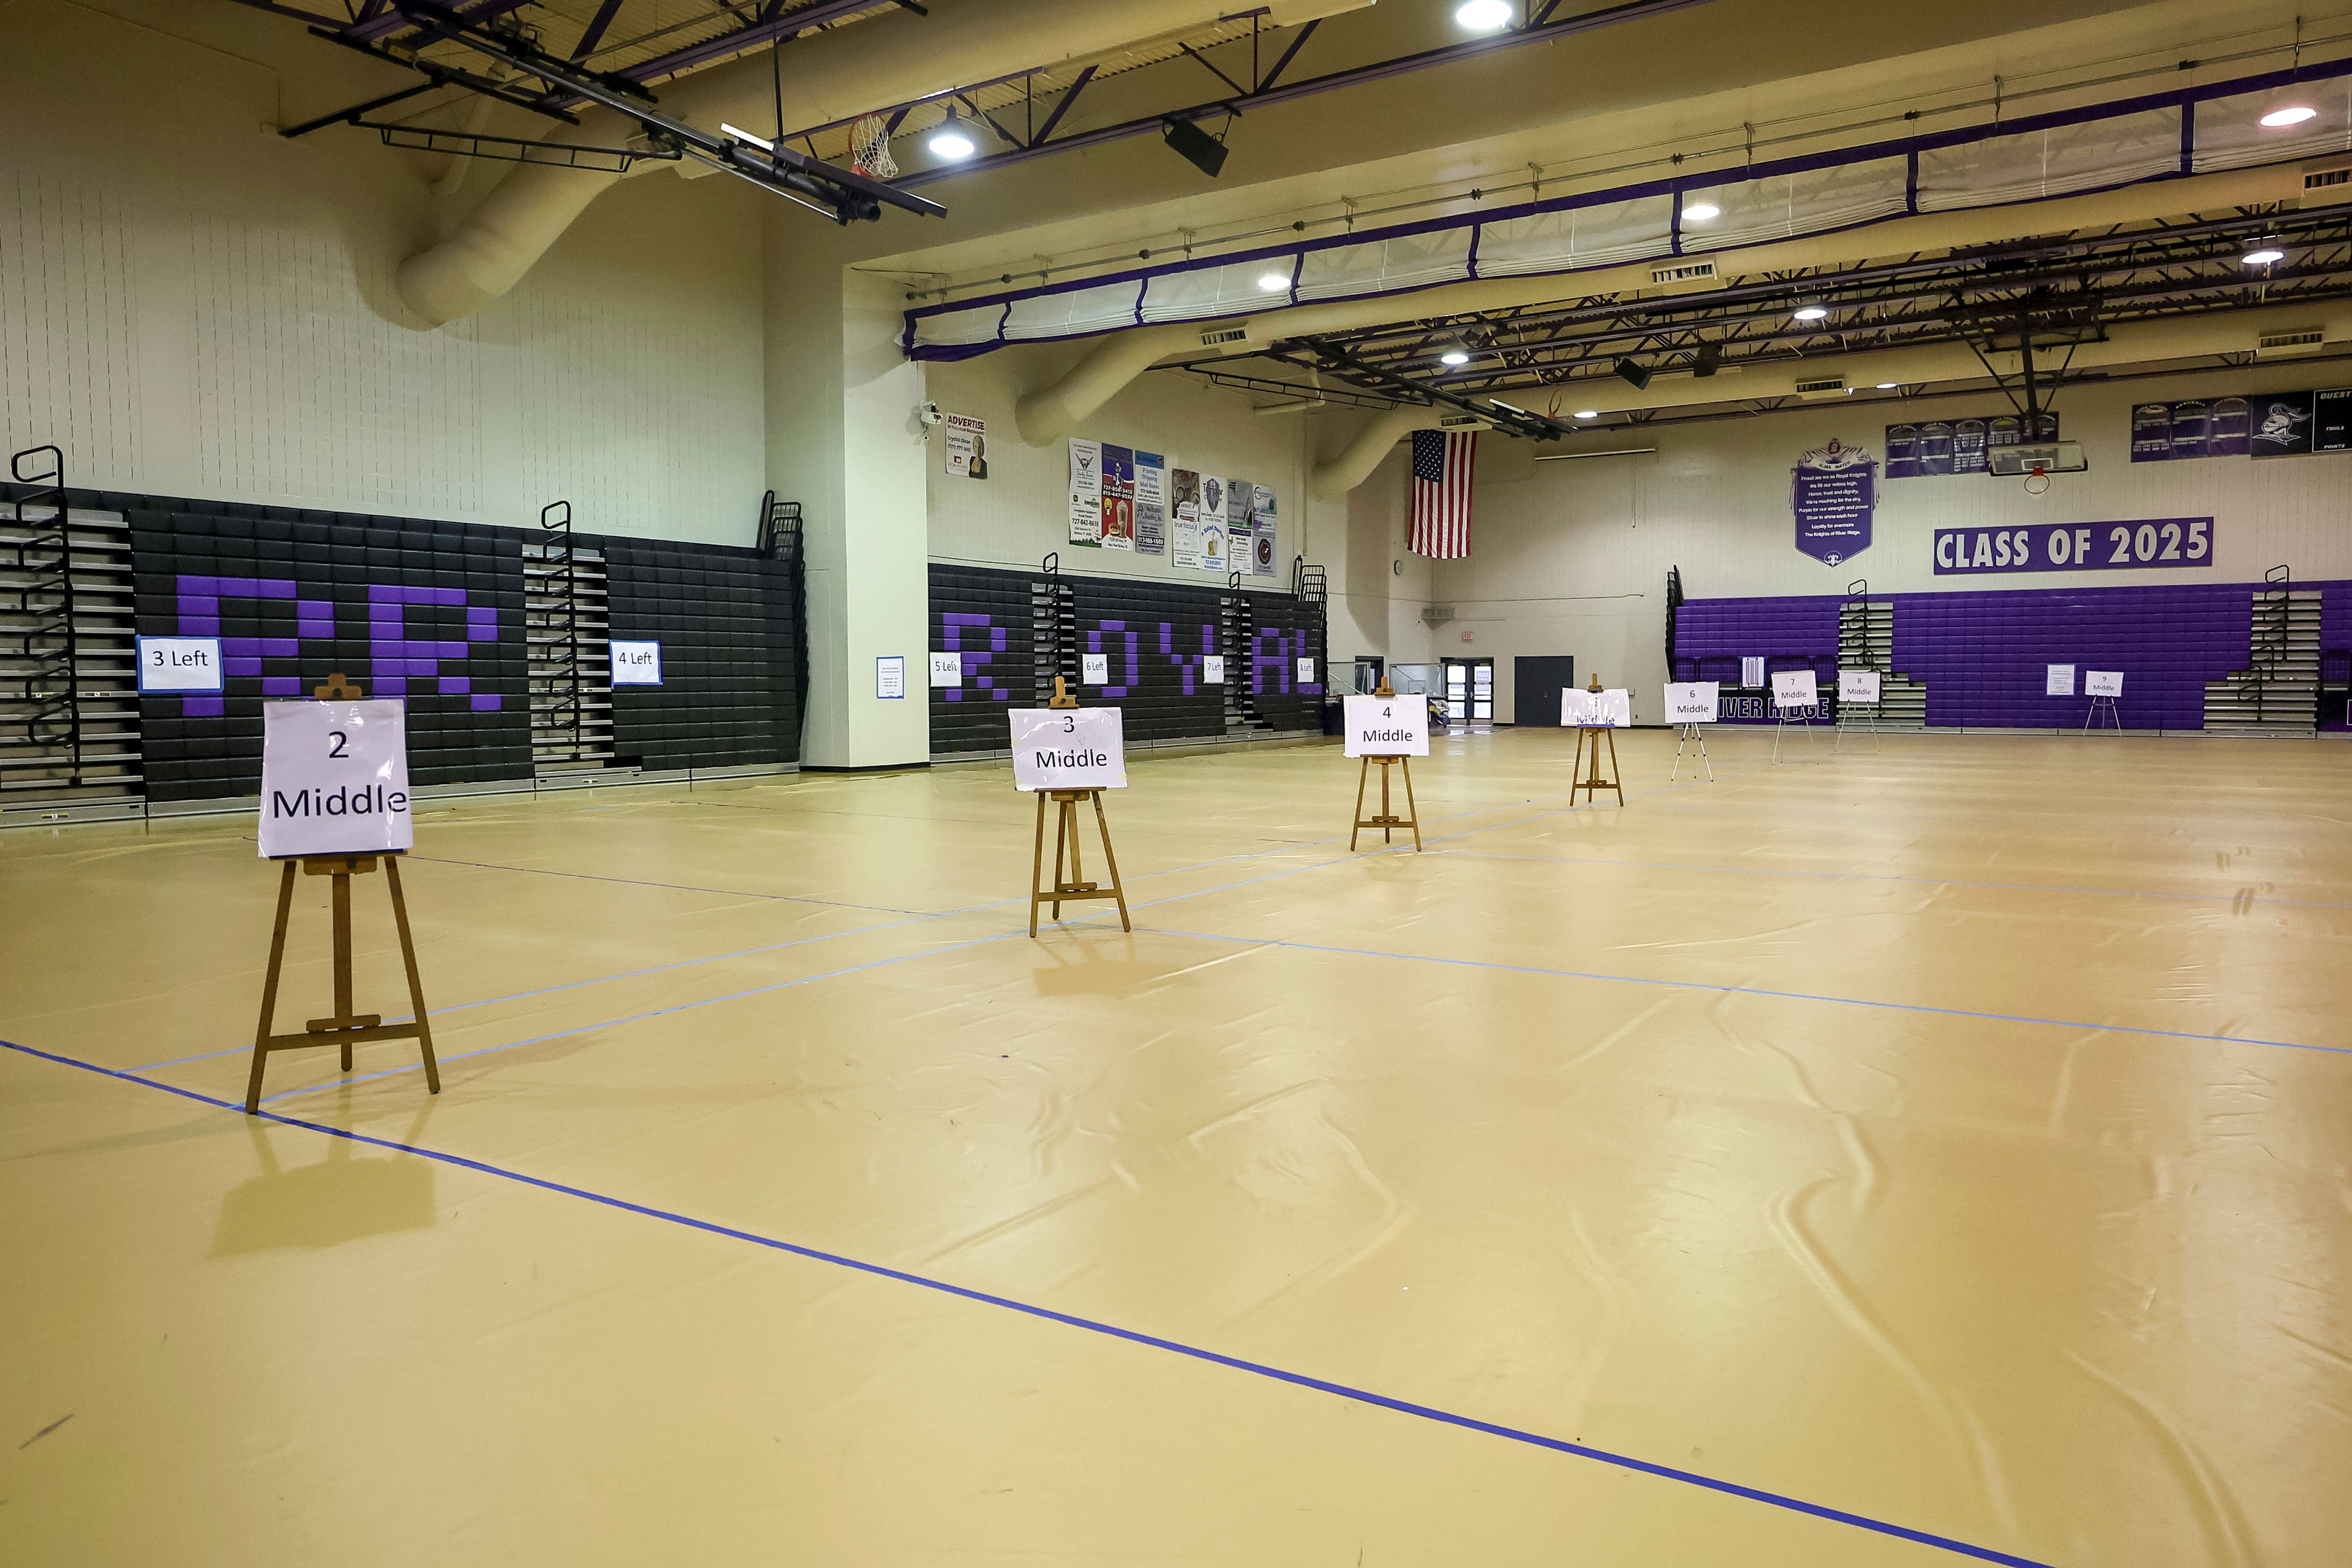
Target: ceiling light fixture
<point>2293,114</point>
<point>1274,282</point>
<point>949,141</point>
<point>1811,313</point>
<point>1482,16</point>
<point>1888,385</point>
<point>2263,254</point>
<point>1455,356</point>
<point>1588,413</point>
<point>1701,212</point>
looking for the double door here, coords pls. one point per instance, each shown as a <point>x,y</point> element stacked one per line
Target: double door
<point>1469,692</point>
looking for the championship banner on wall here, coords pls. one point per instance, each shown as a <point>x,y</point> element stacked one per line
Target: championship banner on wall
<point>2265,425</point>
<point>1151,503</point>
<point>1241,522</point>
<point>1263,530</point>
<point>1184,504</point>
<point>1086,492</point>
<point>1959,446</point>
<point>1117,497</point>
<point>1833,492</point>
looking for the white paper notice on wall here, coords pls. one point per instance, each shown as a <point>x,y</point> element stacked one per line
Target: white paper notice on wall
<point>1751,672</point>
<point>1213,670</point>
<point>1305,672</point>
<point>1094,668</point>
<point>1692,701</point>
<point>1388,726</point>
<point>2059,681</point>
<point>179,663</point>
<point>635,663</point>
<point>1594,710</point>
<point>947,669</point>
<point>2102,683</point>
<point>890,675</point>
<point>334,778</point>
<point>1795,688</point>
<point>1858,685</point>
<point>1068,748</point>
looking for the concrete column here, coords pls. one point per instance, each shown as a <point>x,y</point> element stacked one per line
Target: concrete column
<point>844,440</point>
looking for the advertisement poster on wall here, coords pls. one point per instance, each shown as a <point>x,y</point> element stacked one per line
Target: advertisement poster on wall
<point>1263,531</point>
<point>1241,522</point>
<point>1212,523</point>
<point>1941,447</point>
<point>967,446</point>
<point>1086,492</point>
<point>1834,491</point>
<point>1184,503</point>
<point>1151,503</point>
<point>1117,497</point>
<point>2260,425</point>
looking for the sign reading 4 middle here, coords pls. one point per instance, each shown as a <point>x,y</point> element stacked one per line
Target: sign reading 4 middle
<point>1834,491</point>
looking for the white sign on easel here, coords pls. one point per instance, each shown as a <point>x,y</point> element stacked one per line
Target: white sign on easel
<point>1692,701</point>
<point>947,669</point>
<point>1795,688</point>
<point>2059,681</point>
<point>1858,686</point>
<point>1593,709</point>
<point>1388,726</point>
<point>179,663</point>
<point>1068,748</point>
<point>334,778</point>
<point>2102,683</point>
<point>635,663</point>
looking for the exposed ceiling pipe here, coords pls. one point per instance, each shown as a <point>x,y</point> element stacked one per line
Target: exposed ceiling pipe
<point>890,59</point>
<point>2128,343</point>
<point>1087,384</point>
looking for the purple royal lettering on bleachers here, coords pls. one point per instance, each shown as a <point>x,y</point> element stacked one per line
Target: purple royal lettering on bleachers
<point>399,658</point>
<point>952,626</point>
<point>200,599</point>
<point>1134,672</point>
<point>1261,661</point>
<point>1188,664</point>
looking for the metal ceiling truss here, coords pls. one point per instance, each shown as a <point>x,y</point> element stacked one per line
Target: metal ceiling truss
<point>2082,284</point>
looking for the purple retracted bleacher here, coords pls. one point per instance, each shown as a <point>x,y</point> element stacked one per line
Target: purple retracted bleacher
<point>1982,656</point>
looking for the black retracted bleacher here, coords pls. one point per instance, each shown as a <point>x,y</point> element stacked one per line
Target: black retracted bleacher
<point>724,618</point>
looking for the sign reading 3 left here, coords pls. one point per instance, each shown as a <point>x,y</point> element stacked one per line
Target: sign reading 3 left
<point>334,778</point>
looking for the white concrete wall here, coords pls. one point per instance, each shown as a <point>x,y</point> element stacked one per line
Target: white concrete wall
<point>191,305</point>
<point>1571,557</point>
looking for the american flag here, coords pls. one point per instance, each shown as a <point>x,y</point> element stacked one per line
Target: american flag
<point>1442,461</point>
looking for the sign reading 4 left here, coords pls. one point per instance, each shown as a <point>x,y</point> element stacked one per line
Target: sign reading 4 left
<point>334,778</point>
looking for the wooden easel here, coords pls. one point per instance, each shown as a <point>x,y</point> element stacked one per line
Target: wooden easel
<point>1593,780</point>
<point>1388,821</point>
<point>345,1028</point>
<point>1065,831</point>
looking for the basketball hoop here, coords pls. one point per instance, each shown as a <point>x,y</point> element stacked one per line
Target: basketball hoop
<point>870,148</point>
<point>2037,480</point>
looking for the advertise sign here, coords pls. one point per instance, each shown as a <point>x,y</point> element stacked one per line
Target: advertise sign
<point>1388,726</point>
<point>967,446</point>
<point>947,669</point>
<point>2158,544</point>
<point>1068,748</point>
<point>1086,492</point>
<point>1795,688</point>
<point>334,778</point>
<point>635,663</point>
<point>2102,683</point>
<point>1692,701</point>
<point>1858,685</point>
<point>1593,709</point>
<point>179,663</point>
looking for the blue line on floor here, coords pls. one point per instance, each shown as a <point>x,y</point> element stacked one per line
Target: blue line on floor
<point>1927,881</point>
<point>1092,1325</point>
<point>1748,991</point>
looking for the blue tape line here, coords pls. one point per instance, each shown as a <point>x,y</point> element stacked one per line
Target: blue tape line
<point>1092,1325</point>
<point>1752,991</point>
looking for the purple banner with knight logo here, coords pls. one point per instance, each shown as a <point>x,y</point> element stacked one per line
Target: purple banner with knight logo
<point>1834,491</point>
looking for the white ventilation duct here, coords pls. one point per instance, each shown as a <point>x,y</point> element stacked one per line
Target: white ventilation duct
<point>1355,460</point>
<point>1091,382</point>
<point>895,57</point>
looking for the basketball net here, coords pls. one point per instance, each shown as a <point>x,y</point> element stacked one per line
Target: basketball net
<point>2037,480</point>
<point>870,148</point>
